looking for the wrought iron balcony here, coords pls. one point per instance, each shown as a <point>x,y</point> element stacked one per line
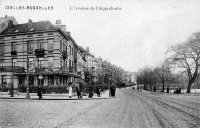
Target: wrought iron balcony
<point>9,69</point>
<point>13,53</point>
<point>39,52</point>
<point>64,55</point>
<point>71,69</point>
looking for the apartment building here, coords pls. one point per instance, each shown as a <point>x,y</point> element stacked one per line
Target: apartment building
<point>40,51</point>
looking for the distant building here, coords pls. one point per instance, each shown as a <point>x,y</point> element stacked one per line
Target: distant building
<point>37,49</point>
<point>90,64</point>
<point>81,64</point>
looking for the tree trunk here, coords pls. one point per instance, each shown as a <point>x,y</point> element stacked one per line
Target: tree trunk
<point>163,87</point>
<point>189,86</point>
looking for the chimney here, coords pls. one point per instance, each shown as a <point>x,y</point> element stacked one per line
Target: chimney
<point>58,22</point>
<point>87,49</point>
<point>59,25</point>
<point>67,33</point>
<point>10,24</point>
<point>30,23</point>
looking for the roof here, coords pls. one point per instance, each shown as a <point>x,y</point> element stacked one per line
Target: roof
<point>3,19</point>
<point>81,48</point>
<point>34,27</point>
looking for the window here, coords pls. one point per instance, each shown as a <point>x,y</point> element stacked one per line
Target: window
<point>50,44</point>
<point>50,61</point>
<point>70,50</point>
<point>30,45</point>
<point>61,45</point>
<point>40,44</point>
<point>13,46</point>
<point>30,63</point>
<point>61,62</point>
<point>69,63</point>
<point>66,48</point>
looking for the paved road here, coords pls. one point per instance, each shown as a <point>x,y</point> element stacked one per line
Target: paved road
<point>130,109</point>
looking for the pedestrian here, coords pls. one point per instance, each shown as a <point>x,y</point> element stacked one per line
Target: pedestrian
<point>90,93</point>
<point>78,91</point>
<point>112,90</point>
<point>98,91</point>
<point>40,92</point>
<point>70,90</point>
<point>167,89</point>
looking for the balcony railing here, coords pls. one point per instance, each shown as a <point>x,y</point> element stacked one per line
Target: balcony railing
<point>9,69</point>
<point>39,52</point>
<point>71,69</point>
<point>67,69</point>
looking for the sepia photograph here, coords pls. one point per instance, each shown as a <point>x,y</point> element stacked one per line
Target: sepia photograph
<point>99,64</point>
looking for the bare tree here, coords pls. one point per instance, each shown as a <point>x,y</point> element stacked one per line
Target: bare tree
<point>186,56</point>
<point>163,73</point>
<point>146,76</point>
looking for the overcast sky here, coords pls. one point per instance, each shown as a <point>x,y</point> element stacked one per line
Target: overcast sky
<point>135,36</point>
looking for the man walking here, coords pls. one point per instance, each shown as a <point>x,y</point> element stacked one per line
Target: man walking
<point>40,92</point>
<point>98,91</point>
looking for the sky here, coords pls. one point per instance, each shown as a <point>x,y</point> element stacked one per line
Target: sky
<point>132,34</point>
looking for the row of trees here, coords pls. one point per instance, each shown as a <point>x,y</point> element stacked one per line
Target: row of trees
<point>153,77</point>
<point>106,75</point>
<point>183,58</point>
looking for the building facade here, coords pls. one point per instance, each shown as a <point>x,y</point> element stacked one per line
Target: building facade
<point>38,53</point>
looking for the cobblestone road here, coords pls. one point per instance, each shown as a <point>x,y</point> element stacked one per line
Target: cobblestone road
<point>129,109</point>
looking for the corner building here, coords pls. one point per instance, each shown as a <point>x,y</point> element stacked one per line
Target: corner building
<point>39,51</point>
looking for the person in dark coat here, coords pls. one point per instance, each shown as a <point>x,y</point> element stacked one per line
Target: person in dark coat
<point>91,92</point>
<point>98,91</point>
<point>112,90</point>
<point>78,92</point>
<point>39,92</point>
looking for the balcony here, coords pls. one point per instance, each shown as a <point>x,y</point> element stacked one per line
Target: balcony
<point>9,69</point>
<point>71,69</point>
<point>67,69</point>
<point>13,53</point>
<point>39,52</point>
<point>64,55</point>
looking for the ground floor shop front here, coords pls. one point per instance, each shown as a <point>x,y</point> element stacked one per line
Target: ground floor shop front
<point>21,80</point>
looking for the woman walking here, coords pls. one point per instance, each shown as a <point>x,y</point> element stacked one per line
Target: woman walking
<point>70,90</point>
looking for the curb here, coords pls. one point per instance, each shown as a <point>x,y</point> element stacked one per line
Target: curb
<point>18,98</point>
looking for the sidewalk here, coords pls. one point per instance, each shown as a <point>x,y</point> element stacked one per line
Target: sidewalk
<point>33,96</point>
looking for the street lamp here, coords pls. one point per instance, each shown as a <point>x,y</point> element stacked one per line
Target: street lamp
<point>64,56</point>
<point>13,54</point>
<point>92,74</point>
<point>27,87</point>
<point>39,53</point>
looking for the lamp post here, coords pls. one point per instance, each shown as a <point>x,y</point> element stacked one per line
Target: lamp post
<point>39,53</point>
<point>92,74</point>
<point>12,82</point>
<point>27,87</point>
<point>13,54</point>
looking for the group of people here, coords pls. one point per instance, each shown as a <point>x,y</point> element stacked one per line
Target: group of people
<point>78,91</point>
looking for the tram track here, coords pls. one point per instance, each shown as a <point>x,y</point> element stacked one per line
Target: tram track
<point>175,102</point>
<point>164,123</point>
<point>192,120</point>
